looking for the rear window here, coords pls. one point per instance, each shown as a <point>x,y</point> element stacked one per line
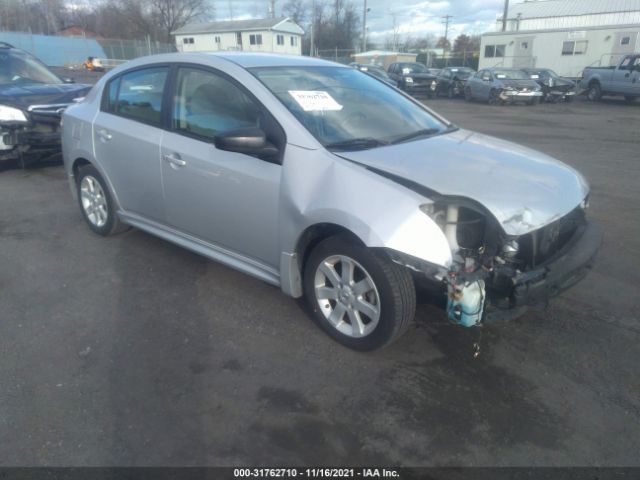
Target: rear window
<point>138,95</point>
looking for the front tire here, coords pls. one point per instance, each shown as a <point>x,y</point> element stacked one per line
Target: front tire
<point>96,203</point>
<point>358,297</point>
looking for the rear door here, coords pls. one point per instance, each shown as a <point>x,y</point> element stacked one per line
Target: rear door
<point>224,198</point>
<point>126,136</point>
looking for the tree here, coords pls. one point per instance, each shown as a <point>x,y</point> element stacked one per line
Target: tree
<point>170,15</point>
<point>296,10</point>
<point>443,43</point>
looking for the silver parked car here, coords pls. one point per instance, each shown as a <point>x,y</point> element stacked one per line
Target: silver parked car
<point>329,184</point>
<point>502,85</point>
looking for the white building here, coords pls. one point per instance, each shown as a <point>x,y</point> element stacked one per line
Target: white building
<point>564,35</point>
<point>278,35</point>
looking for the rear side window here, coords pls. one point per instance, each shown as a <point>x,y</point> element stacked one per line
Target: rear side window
<point>138,95</point>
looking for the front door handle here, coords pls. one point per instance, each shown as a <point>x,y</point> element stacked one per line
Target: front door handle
<point>174,159</point>
<point>104,135</point>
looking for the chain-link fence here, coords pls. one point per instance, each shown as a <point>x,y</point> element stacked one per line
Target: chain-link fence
<point>340,55</point>
<point>59,51</point>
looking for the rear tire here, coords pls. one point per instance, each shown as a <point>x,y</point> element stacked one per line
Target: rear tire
<point>96,204</point>
<point>359,297</point>
<point>594,93</point>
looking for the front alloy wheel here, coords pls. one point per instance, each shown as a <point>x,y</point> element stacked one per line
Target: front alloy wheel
<point>358,296</point>
<point>349,300</point>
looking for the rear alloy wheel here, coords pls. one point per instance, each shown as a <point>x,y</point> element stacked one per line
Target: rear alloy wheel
<point>360,298</point>
<point>594,93</point>
<point>96,203</point>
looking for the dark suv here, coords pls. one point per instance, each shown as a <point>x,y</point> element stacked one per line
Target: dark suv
<point>32,99</point>
<point>414,78</point>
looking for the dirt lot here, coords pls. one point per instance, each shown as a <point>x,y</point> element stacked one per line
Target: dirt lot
<point>132,351</point>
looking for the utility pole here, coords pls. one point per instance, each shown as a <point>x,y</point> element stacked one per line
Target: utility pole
<point>364,27</point>
<point>313,28</point>
<point>504,15</point>
<point>273,8</point>
<point>447,19</point>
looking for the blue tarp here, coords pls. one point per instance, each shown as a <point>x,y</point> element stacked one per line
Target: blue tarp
<point>55,51</point>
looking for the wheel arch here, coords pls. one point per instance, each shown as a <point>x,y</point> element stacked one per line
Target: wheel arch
<point>292,264</point>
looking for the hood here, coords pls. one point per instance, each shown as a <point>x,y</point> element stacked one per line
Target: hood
<point>518,83</point>
<point>23,96</point>
<point>522,188</point>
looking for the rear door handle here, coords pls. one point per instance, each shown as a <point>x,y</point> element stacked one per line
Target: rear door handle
<point>174,159</point>
<point>104,135</point>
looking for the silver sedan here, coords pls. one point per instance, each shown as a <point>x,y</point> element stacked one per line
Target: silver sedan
<point>328,183</point>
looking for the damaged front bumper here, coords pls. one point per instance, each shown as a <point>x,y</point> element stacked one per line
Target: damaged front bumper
<point>565,269</point>
<point>31,142</point>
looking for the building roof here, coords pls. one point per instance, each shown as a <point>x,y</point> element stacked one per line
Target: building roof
<point>568,8</point>
<point>232,26</point>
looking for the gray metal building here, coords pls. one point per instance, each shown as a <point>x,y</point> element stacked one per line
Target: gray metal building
<point>564,35</point>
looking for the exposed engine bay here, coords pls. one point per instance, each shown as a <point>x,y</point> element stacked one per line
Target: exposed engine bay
<point>494,271</point>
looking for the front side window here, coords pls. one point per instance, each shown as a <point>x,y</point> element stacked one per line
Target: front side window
<point>344,109</point>
<point>140,95</point>
<point>207,103</point>
<point>511,75</point>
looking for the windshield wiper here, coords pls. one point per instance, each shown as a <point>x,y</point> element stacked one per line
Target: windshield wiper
<point>418,133</point>
<point>425,132</point>
<point>356,144</point>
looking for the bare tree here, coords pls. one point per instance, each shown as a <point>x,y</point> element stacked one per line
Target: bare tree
<point>170,15</point>
<point>296,10</point>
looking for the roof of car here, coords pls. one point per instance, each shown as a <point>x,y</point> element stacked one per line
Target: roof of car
<point>249,60</point>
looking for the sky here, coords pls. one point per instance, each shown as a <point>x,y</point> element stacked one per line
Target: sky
<point>412,17</point>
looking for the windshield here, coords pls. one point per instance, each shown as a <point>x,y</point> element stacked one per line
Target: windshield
<point>344,109</point>
<point>413,68</point>
<point>464,70</point>
<point>18,67</point>
<point>511,75</point>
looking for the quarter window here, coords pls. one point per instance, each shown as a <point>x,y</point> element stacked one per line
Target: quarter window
<point>207,103</point>
<point>139,95</point>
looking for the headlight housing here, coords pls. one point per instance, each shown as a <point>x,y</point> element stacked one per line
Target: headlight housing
<point>12,115</point>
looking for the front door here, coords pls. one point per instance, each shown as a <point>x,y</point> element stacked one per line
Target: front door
<point>224,198</point>
<point>126,138</point>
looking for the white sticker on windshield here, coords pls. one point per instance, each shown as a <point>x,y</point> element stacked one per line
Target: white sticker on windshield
<point>535,76</point>
<point>314,100</point>
<point>501,75</point>
<point>406,71</point>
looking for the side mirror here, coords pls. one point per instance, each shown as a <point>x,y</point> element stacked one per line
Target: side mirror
<point>68,80</point>
<point>247,140</point>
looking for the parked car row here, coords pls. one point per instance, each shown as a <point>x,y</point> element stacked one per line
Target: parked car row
<point>493,85</point>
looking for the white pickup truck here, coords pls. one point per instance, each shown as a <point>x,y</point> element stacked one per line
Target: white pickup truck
<point>623,79</point>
